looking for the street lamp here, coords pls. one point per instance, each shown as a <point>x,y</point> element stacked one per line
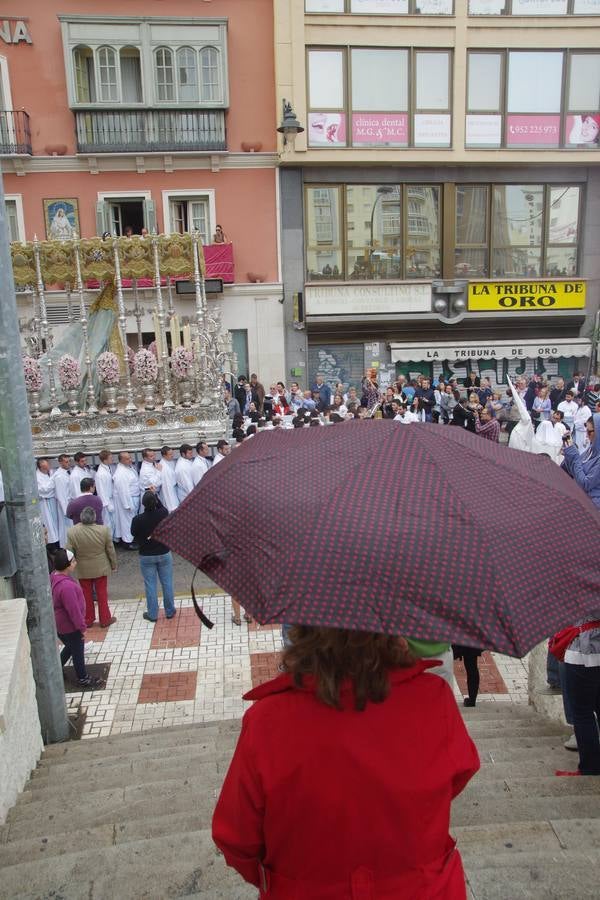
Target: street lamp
<point>290,126</point>
<point>381,190</point>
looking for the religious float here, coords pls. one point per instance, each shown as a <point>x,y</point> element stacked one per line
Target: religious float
<point>88,387</point>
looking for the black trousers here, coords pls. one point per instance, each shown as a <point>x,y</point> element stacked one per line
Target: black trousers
<point>74,647</point>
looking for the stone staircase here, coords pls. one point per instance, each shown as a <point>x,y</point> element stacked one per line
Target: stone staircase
<point>128,817</point>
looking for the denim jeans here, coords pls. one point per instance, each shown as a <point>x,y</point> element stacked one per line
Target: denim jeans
<point>583,689</point>
<point>154,568</point>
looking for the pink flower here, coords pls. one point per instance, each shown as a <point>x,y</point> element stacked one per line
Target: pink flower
<point>33,373</point>
<point>182,362</point>
<point>145,367</point>
<point>69,373</point>
<point>107,368</point>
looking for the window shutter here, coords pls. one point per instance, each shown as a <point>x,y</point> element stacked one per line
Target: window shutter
<point>150,215</point>
<point>102,218</point>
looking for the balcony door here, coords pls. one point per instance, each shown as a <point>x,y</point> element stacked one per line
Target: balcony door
<point>8,138</point>
<point>116,214</point>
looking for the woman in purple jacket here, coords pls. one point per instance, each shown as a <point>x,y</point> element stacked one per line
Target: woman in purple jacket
<point>69,613</point>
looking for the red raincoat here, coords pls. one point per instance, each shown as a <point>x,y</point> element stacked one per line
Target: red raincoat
<point>323,804</point>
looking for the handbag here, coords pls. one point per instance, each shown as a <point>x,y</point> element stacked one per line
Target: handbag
<point>562,640</point>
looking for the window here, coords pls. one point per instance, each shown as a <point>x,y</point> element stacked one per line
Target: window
<point>116,213</point>
<point>534,7</point>
<point>189,211</point>
<point>372,232</point>
<point>361,97</point>
<point>382,7</point>
<point>13,205</point>
<point>534,231</point>
<point>147,62</point>
<point>521,99</point>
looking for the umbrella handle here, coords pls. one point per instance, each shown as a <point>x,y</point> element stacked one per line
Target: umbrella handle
<point>201,615</point>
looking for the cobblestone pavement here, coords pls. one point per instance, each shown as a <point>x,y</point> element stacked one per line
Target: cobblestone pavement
<point>179,672</point>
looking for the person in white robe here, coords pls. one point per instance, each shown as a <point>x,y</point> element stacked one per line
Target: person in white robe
<point>62,488</point>
<point>223,450</point>
<point>48,508</point>
<point>579,432</point>
<point>183,472</point>
<point>105,490</point>
<point>522,434</point>
<point>168,489</point>
<point>80,470</point>
<point>201,464</point>
<point>126,497</point>
<point>150,473</point>
<point>547,440</point>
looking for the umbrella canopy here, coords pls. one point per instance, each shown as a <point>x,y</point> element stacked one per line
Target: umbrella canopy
<point>420,530</point>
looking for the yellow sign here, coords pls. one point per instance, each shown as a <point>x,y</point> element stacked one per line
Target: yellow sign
<point>526,295</point>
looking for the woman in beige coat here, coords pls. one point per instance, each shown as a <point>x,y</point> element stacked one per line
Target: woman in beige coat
<point>95,554</point>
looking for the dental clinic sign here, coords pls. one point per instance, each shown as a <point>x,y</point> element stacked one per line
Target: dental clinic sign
<point>15,31</point>
<point>497,296</point>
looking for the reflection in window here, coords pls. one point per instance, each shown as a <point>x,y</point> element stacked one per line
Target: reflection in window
<point>422,250</point>
<point>374,230</point>
<point>563,228</point>
<point>323,237</point>
<point>471,252</point>
<point>517,221</point>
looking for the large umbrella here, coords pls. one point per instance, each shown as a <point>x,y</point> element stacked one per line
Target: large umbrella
<point>421,530</point>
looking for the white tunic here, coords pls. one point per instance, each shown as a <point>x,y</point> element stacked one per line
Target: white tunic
<point>150,476</point>
<point>104,489</point>
<point>218,457</point>
<point>126,499</point>
<point>77,473</point>
<point>168,490</point>
<point>62,487</point>
<point>200,467</point>
<point>183,477</point>
<point>48,508</point>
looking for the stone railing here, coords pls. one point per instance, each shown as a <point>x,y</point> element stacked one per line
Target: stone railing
<point>549,705</point>
<point>20,733</point>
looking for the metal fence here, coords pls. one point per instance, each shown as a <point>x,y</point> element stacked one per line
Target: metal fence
<point>15,134</point>
<point>150,130</point>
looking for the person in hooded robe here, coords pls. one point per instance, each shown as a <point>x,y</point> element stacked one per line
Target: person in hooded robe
<point>547,440</point>
<point>521,436</point>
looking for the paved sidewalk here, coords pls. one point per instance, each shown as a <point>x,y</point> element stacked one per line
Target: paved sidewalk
<point>179,672</point>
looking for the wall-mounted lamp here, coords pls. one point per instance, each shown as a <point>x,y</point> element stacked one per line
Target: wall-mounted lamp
<point>290,126</point>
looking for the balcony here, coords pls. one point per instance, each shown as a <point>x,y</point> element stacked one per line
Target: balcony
<point>147,131</point>
<point>15,134</point>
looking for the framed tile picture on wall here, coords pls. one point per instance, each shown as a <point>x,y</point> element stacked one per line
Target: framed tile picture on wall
<point>61,218</point>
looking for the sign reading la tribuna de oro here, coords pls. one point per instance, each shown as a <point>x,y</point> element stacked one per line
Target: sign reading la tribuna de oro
<point>497,296</point>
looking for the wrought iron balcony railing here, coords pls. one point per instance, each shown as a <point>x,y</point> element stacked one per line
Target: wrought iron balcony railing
<point>139,131</point>
<point>15,134</point>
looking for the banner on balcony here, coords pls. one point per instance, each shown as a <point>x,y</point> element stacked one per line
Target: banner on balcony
<point>97,258</point>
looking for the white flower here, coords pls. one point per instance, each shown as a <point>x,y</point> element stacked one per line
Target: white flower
<point>69,373</point>
<point>107,368</point>
<point>33,373</point>
<point>145,367</point>
<point>182,362</point>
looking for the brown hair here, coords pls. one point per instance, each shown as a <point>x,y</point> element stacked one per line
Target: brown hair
<point>333,655</point>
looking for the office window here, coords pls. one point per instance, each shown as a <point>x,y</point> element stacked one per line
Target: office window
<point>472,231</point>
<point>582,126</point>
<point>381,7</point>
<point>323,233</point>
<point>534,7</point>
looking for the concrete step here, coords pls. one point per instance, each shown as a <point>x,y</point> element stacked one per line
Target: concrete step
<point>114,806</point>
<point>123,745</point>
<point>517,728</point>
<point>574,877</point>
<point>173,865</point>
<point>498,709</point>
<point>468,809</point>
<point>544,786</point>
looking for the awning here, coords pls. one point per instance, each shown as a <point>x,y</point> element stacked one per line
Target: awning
<point>547,349</point>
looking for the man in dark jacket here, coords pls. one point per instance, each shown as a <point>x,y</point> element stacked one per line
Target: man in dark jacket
<point>88,498</point>
<point>156,560</point>
<point>426,397</point>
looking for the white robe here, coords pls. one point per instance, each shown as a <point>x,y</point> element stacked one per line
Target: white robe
<point>48,508</point>
<point>218,457</point>
<point>105,490</point>
<point>183,476</point>
<point>168,490</point>
<point>200,466</point>
<point>126,499</point>
<point>579,431</point>
<point>62,487</point>
<point>77,473</point>
<point>150,476</point>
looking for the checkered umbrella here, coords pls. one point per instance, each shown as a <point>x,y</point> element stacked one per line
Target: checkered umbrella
<point>421,530</point>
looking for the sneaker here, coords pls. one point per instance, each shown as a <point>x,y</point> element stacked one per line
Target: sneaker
<point>147,617</point>
<point>561,772</point>
<point>172,616</point>
<point>91,682</point>
<point>468,702</point>
<point>571,743</point>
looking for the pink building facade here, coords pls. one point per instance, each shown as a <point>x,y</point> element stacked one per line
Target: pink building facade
<point>158,115</point>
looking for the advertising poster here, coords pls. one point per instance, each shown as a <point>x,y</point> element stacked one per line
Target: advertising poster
<point>432,130</point>
<point>380,129</point>
<point>327,129</point>
<point>483,131</point>
<point>584,130</point>
<point>532,131</point>
<point>388,7</point>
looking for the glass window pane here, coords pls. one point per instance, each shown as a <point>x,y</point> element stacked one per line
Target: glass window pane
<point>434,7</point>
<point>586,7</point>
<point>198,218</point>
<point>373,231</point>
<point>561,261</point>
<point>516,262</point>
<point>563,215</point>
<point>534,82</point>
<point>165,81</point>
<point>471,214</point>
<point>326,79</point>
<point>394,7</point>
<point>470,262</point>
<point>11,219</point>
<point>211,75</point>
<point>584,82</point>
<point>380,80</point>
<point>422,244</point>
<point>85,85</point>
<point>539,7</point>
<point>324,6</point>
<point>486,7</point>
<point>432,71</point>
<point>517,215</point>
<point>187,74</point>
<point>484,82</point>
<point>107,72</point>
<point>323,234</point>
<point>131,75</point>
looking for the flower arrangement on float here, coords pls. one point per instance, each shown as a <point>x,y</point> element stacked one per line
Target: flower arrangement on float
<point>33,373</point>
<point>107,368</point>
<point>182,363</point>
<point>145,367</point>
<point>69,375</point>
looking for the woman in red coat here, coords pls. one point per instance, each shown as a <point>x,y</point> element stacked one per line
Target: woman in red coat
<point>341,783</point>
